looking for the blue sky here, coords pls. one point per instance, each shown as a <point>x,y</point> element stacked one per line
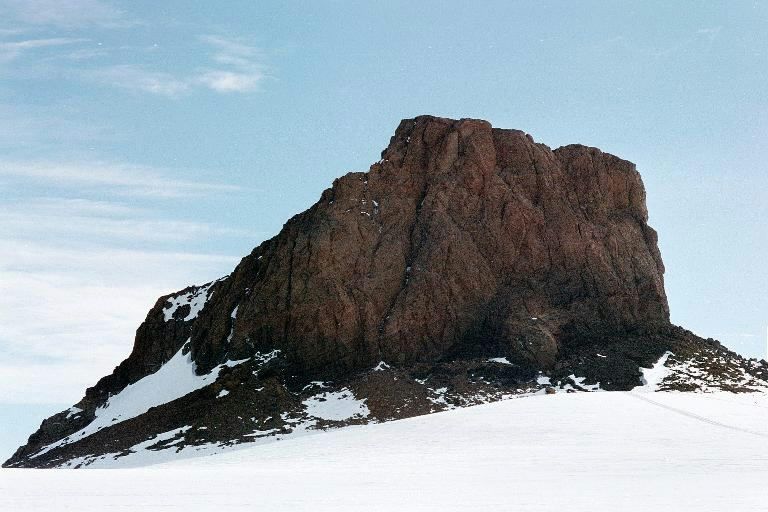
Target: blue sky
<point>145,146</point>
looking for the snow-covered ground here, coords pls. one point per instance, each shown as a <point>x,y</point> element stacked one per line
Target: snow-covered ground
<point>583,451</point>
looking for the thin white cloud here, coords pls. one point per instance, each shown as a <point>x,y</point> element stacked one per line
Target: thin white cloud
<point>75,281</point>
<point>71,313</point>
<point>242,68</point>
<point>5,32</point>
<point>139,79</point>
<point>98,263</point>
<point>55,206</point>
<point>74,287</point>
<point>62,13</point>
<point>229,81</point>
<point>10,50</point>
<point>120,178</point>
<point>66,382</point>
<point>710,31</point>
<point>43,128</point>
<point>63,219</point>
<point>86,53</point>
<point>230,47</point>
<point>234,68</point>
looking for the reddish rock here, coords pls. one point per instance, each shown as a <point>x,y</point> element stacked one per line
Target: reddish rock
<point>463,239</point>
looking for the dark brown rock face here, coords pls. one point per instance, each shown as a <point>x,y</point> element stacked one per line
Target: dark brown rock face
<point>463,238</point>
<point>463,243</point>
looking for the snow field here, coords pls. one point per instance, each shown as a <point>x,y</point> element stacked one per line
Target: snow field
<point>583,451</point>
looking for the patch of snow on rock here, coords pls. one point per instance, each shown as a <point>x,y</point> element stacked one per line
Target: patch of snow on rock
<point>233,316</point>
<point>315,383</point>
<point>653,376</point>
<point>336,406</point>
<point>140,454</point>
<point>172,380</point>
<point>159,438</point>
<point>267,357</point>
<point>381,367</point>
<point>73,411</point>
<point>580,385</point>
<point>195,299</point>
<point>230,363</point>
<point>709,371</point>
<point>439,398</point>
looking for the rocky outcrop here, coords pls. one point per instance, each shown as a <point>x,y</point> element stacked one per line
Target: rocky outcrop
<point>463,238</point>
<point>469,255</point>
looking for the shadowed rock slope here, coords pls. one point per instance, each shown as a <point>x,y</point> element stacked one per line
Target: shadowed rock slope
<point>469,264</point>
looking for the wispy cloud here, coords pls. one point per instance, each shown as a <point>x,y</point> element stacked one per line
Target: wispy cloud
<point>139,79</point>
<point>86,53</point>
<point>243,62</point>
<point>120,178</point>
<point>97,263</point>
<point>227,65</point>
<point>711,32</point>
<point>71,313</point>
<point>5,32</point>
<point>10,50</point>
<point>38,129</point>
<point>63,219</point>
<point>234,67</point>
<point>229,81</point>
<point>75,282</point>
<point>62,13</point>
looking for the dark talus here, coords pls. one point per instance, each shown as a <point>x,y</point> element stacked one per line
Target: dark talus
<point>470,259</point>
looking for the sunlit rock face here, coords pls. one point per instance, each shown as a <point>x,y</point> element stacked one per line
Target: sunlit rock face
<point>462,239</point>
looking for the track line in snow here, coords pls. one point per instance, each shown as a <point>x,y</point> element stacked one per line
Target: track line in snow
<point>697,417</point>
